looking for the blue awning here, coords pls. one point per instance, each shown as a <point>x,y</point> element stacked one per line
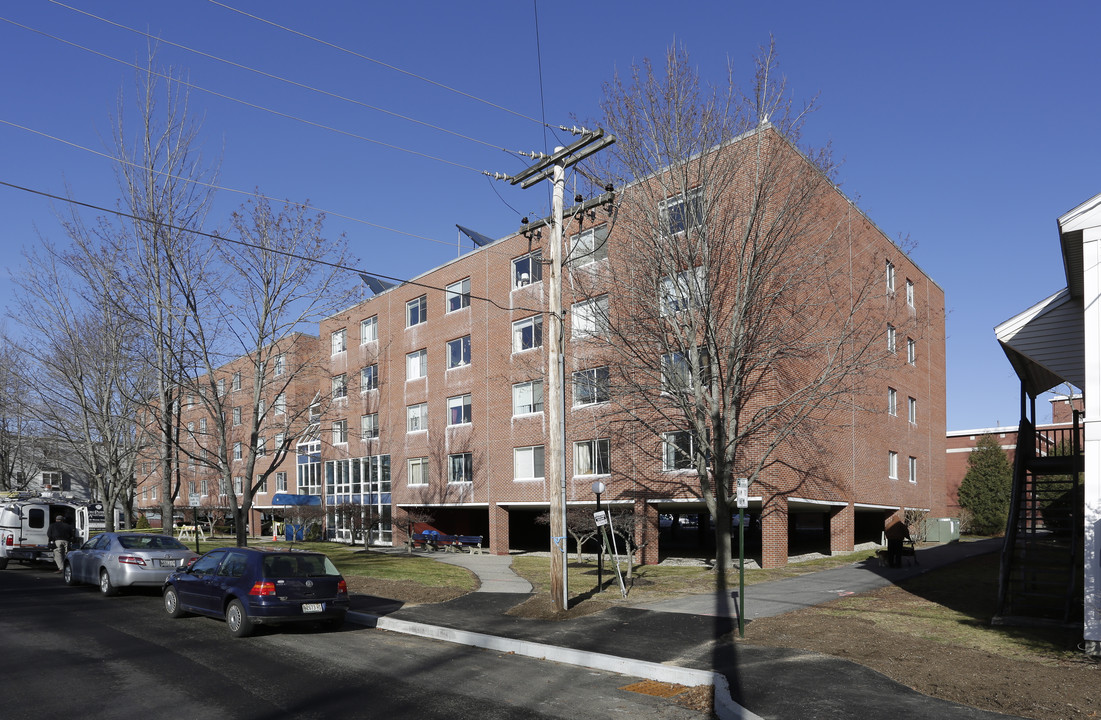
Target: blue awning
<point>288,499</point>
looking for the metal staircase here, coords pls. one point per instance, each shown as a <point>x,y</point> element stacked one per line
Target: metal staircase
<point>1041,579</point>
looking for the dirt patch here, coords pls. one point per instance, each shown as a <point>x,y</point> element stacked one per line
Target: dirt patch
<point>540,607</point>
<point>407,591</point>
<point>1065,686</point>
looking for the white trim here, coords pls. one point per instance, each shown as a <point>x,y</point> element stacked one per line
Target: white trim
<point>808,501</point>
<point>873,506</point>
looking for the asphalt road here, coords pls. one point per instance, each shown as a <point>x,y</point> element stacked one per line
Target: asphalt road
<point>70,653</point>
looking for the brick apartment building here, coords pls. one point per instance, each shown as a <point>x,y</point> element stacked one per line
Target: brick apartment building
<point>434,405</point>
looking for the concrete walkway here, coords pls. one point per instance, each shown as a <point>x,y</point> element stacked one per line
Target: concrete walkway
<point>494,571</point>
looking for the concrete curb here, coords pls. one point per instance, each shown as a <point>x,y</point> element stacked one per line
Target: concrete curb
<point>725,707</point>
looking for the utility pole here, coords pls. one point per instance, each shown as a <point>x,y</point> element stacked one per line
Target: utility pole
<point>554,167</point>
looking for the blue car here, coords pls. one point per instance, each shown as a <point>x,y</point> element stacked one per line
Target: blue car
<point>251,586</point>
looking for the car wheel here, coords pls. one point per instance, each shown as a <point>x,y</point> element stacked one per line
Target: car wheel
<point>105,585</point>
<point>237,620</point>
<point>172,603</point>
<point>67,574</point>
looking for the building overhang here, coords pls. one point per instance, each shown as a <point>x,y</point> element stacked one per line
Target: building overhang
<point>1045,344</point>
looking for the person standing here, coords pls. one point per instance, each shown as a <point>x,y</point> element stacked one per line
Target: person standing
<point>897,532</point>
<point>60,534</point>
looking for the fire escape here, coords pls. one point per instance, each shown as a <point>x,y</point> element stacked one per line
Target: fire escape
<point>1041,578</point>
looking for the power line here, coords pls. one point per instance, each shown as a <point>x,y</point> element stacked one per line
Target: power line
<point>285,253</point>
<point>246,103</point>
<point>280,78</point>
<point>377,62</point>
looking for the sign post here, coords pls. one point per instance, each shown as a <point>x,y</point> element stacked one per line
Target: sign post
<point>601,518</point>
<point>743,503</point>
<point>193,502</point>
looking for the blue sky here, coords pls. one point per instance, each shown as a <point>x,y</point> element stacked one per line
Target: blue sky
<point>967,126</point>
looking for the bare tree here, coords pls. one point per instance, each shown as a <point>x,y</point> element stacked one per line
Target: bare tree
<point>580,524</point>
<point>280,274</point>
<point>740,318</point>
<point>18,429</point>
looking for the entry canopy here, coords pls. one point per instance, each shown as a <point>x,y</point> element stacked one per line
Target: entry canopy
<point>1046,343</point>
<point>289,499</point>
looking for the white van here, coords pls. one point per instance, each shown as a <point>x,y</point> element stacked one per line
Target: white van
<point>25,518</point>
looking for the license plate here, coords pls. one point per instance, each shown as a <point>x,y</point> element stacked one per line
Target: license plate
<point>169,562</point>
<point>312,607</point>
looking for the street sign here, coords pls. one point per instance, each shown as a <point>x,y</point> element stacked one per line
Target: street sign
<point>601,518</point>
<point>743,492</point>
<point>193,500</point>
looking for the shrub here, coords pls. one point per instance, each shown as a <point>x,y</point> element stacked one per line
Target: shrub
<point>986,487</point>
<point>142,523</point>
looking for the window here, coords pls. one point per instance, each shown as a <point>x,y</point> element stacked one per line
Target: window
<point>590,386</point>
<point>460,468</point>
<point>368,378</point>
<point>261,447</point>
<point>683,291</point>
<point>678,451</point>
<point>368,330</point>
<point>911,351</point>
<point>458,410</point>
<point>527,463</point>
<point>458,352</point>
<point>910,293</point>
<point>280,482</point>
<point>589,317</point>
<point>527,397</point>
<point>340,432</point>
<point>190,428</point>
<point>892,465</point>
<point>260,408</point>
<point>261,484</point>
<point>416,311</point>
<point>280,364</point>
<point>890,338</point>
<point>236,384</point>
<point>676,373</point>
<point>527,269</point>
<point>890,276</point>
<point>892,401</point>
<point>912,410</point>
<point>589,246</point>
<point>416,364</point>
<point>340,386</point>
<point>236,416</point>
<point>418,471</point>
<point>280,404</point>
<point>682,212</point>
<point>238,484</point>
<point>913,469</point>
<point>191,487</point>
<point>590,457</point>
<point>202,425</point>
<point>191,401</point>
<point>202,485</point>
<point>279,440</point>
<point>340,340</point>
<point>417,417</point>
<point>236,451</point>
<point>368,426</point>
<point>221,387</point>
<point>153,493</point>
<point>457,295</point>
<point>527,333</point>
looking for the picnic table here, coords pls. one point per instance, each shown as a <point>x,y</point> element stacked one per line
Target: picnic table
<point>434,540</point>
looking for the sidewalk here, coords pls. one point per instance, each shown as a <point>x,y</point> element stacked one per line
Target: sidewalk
<point>694,634</point>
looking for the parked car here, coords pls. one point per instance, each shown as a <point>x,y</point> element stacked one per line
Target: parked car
<point>115,560</point>
<point>252,586</point>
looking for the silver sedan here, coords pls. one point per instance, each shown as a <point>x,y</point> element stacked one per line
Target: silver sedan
<point>124,559</point>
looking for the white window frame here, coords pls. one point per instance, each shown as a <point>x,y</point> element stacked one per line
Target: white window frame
<point>235,383</point>
<point>340,432</point>
<point>911,410</point>
<point>221,387</point>
<point>457,295</point>
<point>461,347</point>
<point>890,271</point>
<point>683,291</point>
<point>368,330</point>
<point>262,484</point>
<point>676,373</point>
<point>462,403</point>
<point>589,318</point>
<point>467,465</point>
<point>910,292</point>
<point>261,446</point>
<point>416,311</point>
<point>339,340</point>
<point>416,364</point>
<point>892,337</point>
<point>671,451</point>
<point>526,462</point>
<point>237,451</point>
<point>892,401</point>
<point>416,417</point>
<point>417,471</point>
<point>589,246</point>
<point>370,374</point>
<point>534,325</point>
<point>912,465</point>
<point>280,364</point>
<point>202,426</point>
<point>590,386</point>
<point>280,404</point>
<point>236,416</point>
<point>527,391</point>
<point>368,426</point>
<point>911,351</point>
<point>599,461</point>
<point>340,386</point>
<point>533,263</point>
<point>238,484</point>
<point>892,465</point>
<point>671,207</point>
<point>281,481</point>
